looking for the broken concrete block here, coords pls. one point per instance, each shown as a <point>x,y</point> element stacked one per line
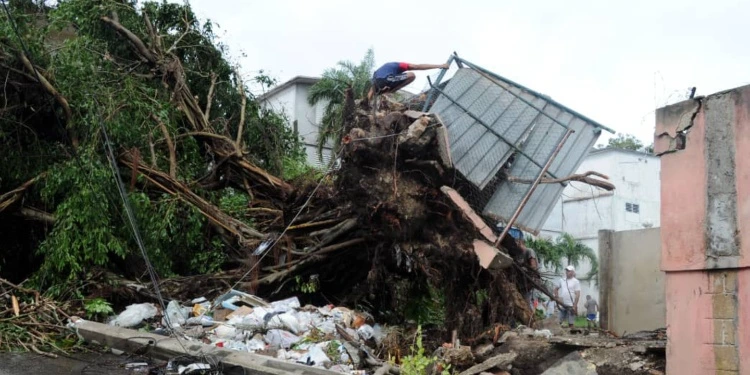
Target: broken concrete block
<point>501,362</point>
<point>414,114</point>
<point>490,257</point>
<point>458,357</point>
<point>483,351</point>
<point>572,363</point>
<point>464,206</point>
<point>444,148</point>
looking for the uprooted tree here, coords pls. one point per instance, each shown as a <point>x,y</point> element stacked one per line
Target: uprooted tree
<point>200,158</point>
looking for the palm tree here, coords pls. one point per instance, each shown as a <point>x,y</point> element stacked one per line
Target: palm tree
<point>554,255</point>
<point>575,252</point>
<point>331,88</point>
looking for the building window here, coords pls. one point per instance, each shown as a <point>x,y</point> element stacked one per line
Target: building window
<point>632,207</point>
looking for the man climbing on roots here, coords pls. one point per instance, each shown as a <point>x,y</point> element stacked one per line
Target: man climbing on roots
<point>394,76</point>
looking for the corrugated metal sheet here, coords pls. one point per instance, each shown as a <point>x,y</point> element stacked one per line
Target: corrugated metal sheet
<point>490,118</point>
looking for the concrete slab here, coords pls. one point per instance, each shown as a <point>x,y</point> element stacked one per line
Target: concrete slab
<point>469,212</point>
<point>163,347</point>
<point>490,257</point>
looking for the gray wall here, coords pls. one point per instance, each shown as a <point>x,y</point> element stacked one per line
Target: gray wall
<point>631,283</point>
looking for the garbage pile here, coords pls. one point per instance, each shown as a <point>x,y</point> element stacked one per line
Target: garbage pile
<point>329,337</point>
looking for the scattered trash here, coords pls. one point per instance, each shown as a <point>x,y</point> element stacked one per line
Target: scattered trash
<point>543,333</point>
<point>315,357</point>
<point>174,316</point>
<point>366,332</point>
<point>201,320</point>
<point>134,315</point>
<point>340,339</point>
<point>230,300</point>
<point>281,339</point>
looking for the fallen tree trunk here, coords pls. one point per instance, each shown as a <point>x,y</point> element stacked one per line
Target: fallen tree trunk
<point>242,231</point>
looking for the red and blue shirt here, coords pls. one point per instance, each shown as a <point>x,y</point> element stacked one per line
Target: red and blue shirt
<point>391,68</point>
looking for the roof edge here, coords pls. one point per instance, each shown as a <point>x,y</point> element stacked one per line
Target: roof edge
<point>546,97</point>
<point>295,80</point>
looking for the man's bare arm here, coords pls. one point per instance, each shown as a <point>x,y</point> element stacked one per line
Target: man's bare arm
<point>427,66</point>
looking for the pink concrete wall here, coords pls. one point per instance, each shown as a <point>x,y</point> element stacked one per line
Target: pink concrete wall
<point>689,331</point>
<point>683,241</point>
<point>707,296</point>
<point>742,162</point>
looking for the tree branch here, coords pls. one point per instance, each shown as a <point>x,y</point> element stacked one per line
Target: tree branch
<point>151,148</point>
<point>52,91</point>
<point>136,41</point>
<point>7,199</point>
<point>155,38</point>
<point>210,96</point>
<point>34,214</point>
<point>241,89</point>
<point>582,177</point>
<point>170,146</point>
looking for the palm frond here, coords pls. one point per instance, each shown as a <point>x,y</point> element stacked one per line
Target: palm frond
<point>331,88</point>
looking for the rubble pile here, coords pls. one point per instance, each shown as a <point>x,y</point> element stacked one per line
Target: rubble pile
<point>328,337</point>
<point>347,341</point>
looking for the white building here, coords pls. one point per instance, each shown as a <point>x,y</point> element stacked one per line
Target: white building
<point>291,98</point>
<point>583,209</point>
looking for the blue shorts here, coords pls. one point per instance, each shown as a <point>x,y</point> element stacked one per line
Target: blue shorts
<point>591,317</point>
<point>388,83</point>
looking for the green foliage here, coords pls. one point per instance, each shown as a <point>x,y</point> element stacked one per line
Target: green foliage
<point>295,169</point>
<point>233,202</point>
<point>211,261</point>
<point>427,307</point>
<point>481,295</point>
<point>97,308</point>
<point>83,233</point>
<point>555,255</point>
<point>625,142</point>
<point>308,287</point>
<point>105,81</point>
<point>539,314</point>
<point>331,89</point>
<point>417,363</point>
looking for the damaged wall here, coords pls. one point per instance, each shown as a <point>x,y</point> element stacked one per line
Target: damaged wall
<point>631,281</point>
<point>705,149</point>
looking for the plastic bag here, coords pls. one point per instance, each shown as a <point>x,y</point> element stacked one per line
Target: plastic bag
<point>365,332</point>
<point>255,344</point>
<point>174,315</point>
<point>277,338</point>
<point>134,315</point>
<point>378,333</point>
<point>543,333</point>
<point>202,320</point>
<point>285,305</point>
<point>285,321</point>
<point>315,357</point>
<point>326,326</point>
<point>305,320</point>
<point>225,332</point>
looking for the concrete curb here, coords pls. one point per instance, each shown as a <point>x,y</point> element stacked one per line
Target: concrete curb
<point>163,347</point>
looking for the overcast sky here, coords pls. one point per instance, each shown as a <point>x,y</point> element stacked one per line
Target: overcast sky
<point>614,63</point>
